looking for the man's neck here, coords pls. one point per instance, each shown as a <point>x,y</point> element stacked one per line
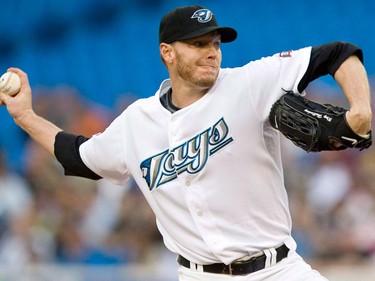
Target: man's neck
<point>184,96</point>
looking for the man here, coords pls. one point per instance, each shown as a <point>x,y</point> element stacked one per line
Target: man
<point>202,150</point>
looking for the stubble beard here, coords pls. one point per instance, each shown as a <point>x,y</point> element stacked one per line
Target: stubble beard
<point>188,73</point>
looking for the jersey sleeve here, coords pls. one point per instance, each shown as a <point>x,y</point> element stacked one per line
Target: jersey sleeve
<point>66,149</point>
<point>273,76</point>
<point>104,153</point>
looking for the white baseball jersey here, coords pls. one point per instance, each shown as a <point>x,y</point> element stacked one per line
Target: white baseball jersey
<point>211,171</point>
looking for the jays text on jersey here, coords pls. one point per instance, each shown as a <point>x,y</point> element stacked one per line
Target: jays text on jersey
<point>211,171</point>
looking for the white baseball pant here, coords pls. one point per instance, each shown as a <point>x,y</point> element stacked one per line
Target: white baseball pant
<point>291,268</point>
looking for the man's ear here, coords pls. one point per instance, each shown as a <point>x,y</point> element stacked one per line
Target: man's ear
<point>167,53</point>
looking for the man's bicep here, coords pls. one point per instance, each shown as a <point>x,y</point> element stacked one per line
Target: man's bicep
<point>67,153</point>
<point>326,59</point>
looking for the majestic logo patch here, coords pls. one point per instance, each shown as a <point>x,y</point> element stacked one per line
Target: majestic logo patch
<point>203,15</point>
<point>190,157</point>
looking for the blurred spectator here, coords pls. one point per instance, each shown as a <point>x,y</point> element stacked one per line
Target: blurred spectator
<point>15,206</point>
<point>67,108</point>
<point>136,227</point>
<point>353,225</point>
<point>328,184</point>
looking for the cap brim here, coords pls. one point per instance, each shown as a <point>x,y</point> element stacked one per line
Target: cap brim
<point>228,34</point>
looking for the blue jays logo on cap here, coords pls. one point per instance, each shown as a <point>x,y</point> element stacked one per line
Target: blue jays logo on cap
<point>203,15</point>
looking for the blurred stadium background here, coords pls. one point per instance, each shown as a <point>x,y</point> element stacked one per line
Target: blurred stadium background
<point>86,61</point>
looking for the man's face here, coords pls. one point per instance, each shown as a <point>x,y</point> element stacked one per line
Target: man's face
<point>198,60</point>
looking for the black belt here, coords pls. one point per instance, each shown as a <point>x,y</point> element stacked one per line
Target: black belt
<point>239,267</point>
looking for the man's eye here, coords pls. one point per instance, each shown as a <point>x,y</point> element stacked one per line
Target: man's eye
<point>199,44</point>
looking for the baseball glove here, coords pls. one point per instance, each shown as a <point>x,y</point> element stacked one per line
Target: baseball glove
<point>314,126</point>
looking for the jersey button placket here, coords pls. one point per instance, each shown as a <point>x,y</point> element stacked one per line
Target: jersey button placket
<point>173,130</point>
<point>198,211</point>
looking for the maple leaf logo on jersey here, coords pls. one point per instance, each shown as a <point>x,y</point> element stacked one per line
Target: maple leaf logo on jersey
<point>189,157</point>
<point>203,15</point>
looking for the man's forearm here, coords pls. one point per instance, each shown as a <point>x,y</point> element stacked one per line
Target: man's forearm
<point>39,129</point>
<point>352,78</point>
<point>20,108</point>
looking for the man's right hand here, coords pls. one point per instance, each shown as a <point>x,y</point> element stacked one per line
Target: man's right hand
<point>19,105</point>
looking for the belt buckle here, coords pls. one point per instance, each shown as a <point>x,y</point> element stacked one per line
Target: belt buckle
<point>250,263</point>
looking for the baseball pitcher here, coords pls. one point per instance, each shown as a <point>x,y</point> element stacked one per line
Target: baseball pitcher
<point>205,150</point>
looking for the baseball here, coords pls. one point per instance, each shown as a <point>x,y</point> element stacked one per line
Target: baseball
<point>10,83</point>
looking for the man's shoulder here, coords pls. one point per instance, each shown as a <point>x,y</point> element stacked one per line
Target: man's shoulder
<point>142,102</point>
